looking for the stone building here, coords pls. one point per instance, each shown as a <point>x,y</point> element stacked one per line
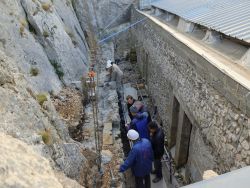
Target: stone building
<point>199,81</point>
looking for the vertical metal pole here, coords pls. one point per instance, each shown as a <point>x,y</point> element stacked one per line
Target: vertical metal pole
<point>94,102</point>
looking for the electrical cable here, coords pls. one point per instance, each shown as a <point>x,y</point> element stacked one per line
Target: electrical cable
<point>113,21</point>
<point>125,29</point>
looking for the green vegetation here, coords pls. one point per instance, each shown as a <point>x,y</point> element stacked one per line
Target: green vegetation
<point>34,71</point>
<point>46,137</point>
<point>41,98</point>
<point>58,69</point>
<point>45,34</point>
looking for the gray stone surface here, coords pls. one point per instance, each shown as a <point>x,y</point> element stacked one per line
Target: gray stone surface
<point>58,37</point>
<point>21,44</point>
<point>23,118</point>
<point>29,168</point>
<point>202,92</point>
<point>108,11</point>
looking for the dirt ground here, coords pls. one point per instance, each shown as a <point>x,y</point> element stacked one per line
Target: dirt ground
<point>69,105</point>
<point>114,166</point>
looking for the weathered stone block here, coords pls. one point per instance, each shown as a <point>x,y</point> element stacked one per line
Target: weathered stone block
<point>107,134</point>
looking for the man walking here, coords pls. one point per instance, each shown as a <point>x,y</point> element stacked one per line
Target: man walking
<point>157,141</point>
<point>140,159</point>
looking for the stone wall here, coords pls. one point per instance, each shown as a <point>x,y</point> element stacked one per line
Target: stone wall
<point>215,104</point>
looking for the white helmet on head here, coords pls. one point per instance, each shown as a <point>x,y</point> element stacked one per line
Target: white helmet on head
<point>109,64</point>
<point>132,134</point>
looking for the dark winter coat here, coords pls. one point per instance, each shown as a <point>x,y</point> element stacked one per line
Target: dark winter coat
<point>139,159</point>
<point>140,125</point>
<point>145,112</point>
<point>157,141</point>
<point>129,113</point>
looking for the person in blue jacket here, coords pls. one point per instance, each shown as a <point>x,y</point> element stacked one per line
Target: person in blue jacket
<point>139,122</point>
<point>143,109</point>
<point>140,159</point>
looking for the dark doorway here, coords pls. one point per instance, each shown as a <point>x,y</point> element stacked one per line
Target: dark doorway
<point>182,139</point>
<point>174,116</point>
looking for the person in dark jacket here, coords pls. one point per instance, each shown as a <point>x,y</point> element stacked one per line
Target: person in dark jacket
<point>140,159</point>
<point>157,141</point>
<point>130,102</point>
<point>139,122</point>
<point>142,108</point>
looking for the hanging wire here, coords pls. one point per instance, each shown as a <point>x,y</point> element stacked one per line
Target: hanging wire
<point>123,30</point>
<point>114,20</point>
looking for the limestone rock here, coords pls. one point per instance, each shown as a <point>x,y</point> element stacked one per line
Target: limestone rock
<point>107,134</point>
<point>67,182</point>
<point>69,158</point>
<point>22,167</point>
<point>21,44</point>
<point>40,126</point>
<point>66,12</point>
<point>5,77</point>
<point>57,41</point>
<point>106,156</point>
<point>111,10</point>
<point>86,13</point>
<point>209,174</point>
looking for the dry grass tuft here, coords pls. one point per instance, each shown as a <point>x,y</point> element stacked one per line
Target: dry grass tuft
<point>23,24</point>
<point>34,71</point>
<point>46,6</point>
<point>46,137</point>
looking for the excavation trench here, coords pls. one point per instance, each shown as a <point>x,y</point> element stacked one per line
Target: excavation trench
<point>112,117</point>
<point>125,142</point>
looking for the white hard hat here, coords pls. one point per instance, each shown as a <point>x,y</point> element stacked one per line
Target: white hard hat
<point>132,134</point>
<point>109,64</point>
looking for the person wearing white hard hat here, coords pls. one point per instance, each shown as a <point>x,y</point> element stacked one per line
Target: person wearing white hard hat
<point>139,159</point>
<point>115,73</point>
<point>109,64</point>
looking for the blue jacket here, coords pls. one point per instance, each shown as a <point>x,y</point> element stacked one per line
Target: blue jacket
<point>139,159</point>
<point>141,126</point>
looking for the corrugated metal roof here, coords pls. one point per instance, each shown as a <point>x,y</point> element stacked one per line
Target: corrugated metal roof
<point>231,17</point>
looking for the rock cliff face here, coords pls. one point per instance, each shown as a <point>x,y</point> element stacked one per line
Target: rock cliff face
<point>44,45</point>
<point>36,124</point>
<point>112,11</point>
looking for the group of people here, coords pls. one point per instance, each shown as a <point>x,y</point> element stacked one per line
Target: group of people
<point>146,135</point>
<point>148,145</point>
